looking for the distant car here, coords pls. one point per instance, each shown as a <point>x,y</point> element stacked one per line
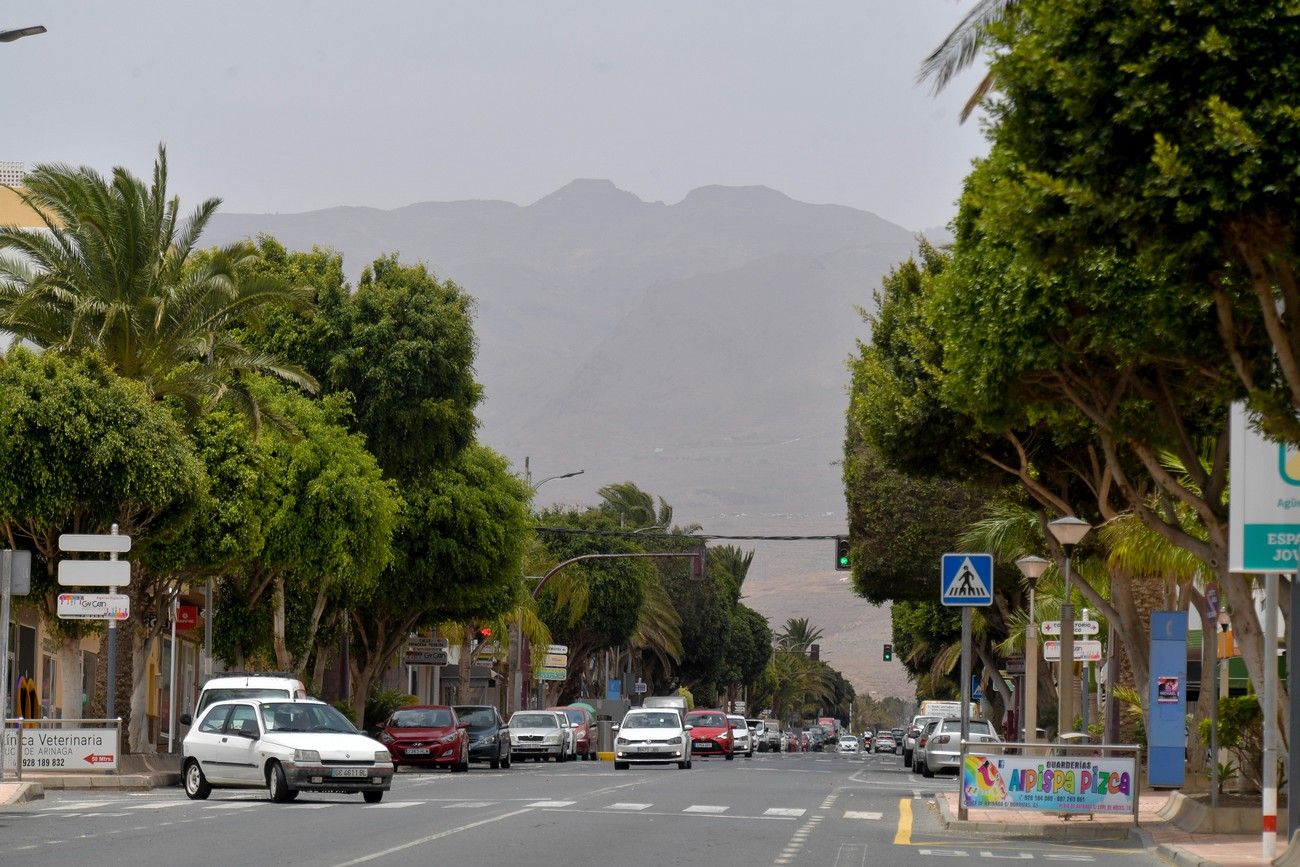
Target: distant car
<point>848,744</point>
<point>757,734</point>
<point>652,736</point>
<point>740,734</point>
<point>909,738</point>
<point>489,736</point>
<point>538,735</point>
<point>224,687</point>
<point>584,724</point>
<point>943,746</point>
<point>710,734</point>
<point>426,736</point>
<point>286,746</point>
<point>884,743</point>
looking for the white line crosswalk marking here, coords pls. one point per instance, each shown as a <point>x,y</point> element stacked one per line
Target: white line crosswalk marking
<point>552,804</point>
<point>234,805</point>
<point>784,811</point>
<point>463,805</point>
<point>704,808</point>
<point>393,805</point>
<point>862,814</point>
<point>157,805</point>
<point>81,805</point>
<point>623,805</point>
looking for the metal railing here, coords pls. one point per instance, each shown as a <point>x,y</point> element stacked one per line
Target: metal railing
<point>18,725</point>
<point>1049,751</point>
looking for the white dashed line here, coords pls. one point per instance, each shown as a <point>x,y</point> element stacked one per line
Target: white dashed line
<point>704,808</point>
<point>861,814</point>
<point>552,804</point>
<point>391,805</point>
<point>628,806</point>
<point>784,811</point>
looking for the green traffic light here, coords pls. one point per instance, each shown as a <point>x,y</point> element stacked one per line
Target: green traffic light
<point>844,561</point>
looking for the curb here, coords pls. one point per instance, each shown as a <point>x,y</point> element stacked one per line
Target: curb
<point>605,757</point>
<point>84,782</point>
<point>1181,857</point>
<point>26,792</point>
<point>1062,832</point>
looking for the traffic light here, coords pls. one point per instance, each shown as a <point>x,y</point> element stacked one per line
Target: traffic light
<point>842,553</point>
<point>889,652</point>
<point>481,635</point>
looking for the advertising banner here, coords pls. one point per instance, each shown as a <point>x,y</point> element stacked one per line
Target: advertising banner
<point>1056,784</point>
<point>1264,502</point>
<point>46,749</point>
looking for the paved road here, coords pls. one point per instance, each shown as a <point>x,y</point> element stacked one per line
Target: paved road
<point>813,809</point>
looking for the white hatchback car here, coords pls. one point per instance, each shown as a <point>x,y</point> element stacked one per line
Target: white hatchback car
<point>287,746</point>
<point>742,739</point>
<point>848,744</point>
<point>652,736</point>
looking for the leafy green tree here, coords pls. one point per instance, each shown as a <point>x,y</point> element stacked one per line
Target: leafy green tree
<point>81,449</point>
<point>749,647</point>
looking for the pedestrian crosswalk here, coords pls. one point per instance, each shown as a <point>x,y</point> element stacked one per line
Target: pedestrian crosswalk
<point>125,807</point>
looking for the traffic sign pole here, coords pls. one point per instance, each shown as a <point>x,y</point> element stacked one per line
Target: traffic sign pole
<point>965,700</point>
<point>110,710</point>
<point>6,584</point>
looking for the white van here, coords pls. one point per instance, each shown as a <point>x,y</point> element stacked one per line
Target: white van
<point>231,685</point>
<point>676,702</point>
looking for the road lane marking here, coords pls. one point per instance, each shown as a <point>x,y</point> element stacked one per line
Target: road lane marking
<point>784,811</point>
<point>944,853</point>
<point>704,808</point>
<point>391,805</point>
<point>624,805</point>
<point>552,803</point>
<point>157,805</point>
<point>310,806</point>
<point>862,814</point>
<point>429,839</point>
<point>1013,856</point>
<point>463,805</point>
<point>80,805</point>
<point>851,855</point>
<point>233,805</point>
<point>903,836</point>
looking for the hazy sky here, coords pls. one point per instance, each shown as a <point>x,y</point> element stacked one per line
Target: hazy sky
<point>290,105</point>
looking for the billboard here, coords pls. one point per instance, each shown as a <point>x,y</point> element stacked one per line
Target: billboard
<point>1056,784</point>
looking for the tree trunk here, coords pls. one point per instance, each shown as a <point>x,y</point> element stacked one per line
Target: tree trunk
<point>282,658</point>
<point>140,642</point>
<point>72,673</point>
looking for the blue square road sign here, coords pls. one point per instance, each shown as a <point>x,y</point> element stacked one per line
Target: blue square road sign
<point>966,579</point>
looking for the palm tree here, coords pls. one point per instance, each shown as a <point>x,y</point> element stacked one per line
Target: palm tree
<point>798,635</point>
<point>960,48</point>
<point>117,272</point>
<point>636,509</point>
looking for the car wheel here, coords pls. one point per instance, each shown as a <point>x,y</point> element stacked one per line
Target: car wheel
<point>372,797</point>
<point>196,785</point>
<point>463,765</point>
<point>926,772</point>
<point>749,755</point>
<point>688,764</point>
<point>620,766</point>
<point>276,784</point>
<point>506,760</point>
<point>494,764</point>
<point>907,758</point>
<point>681,766</point>
<point>731,756</point>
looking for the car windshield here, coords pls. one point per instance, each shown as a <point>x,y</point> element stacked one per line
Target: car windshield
<point>575,717</point>
<point>477,717</point>
<point>298,717</point>
<point>706,719</point>
<point>420,719</point>
<point>211,696</point>
<point>663,720</point>
<point>534,721</point>
<point>738,721</point>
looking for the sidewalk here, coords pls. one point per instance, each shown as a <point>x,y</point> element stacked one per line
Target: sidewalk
<point>137,772</point>
<point>16,793</point>
<point>1156,832</point>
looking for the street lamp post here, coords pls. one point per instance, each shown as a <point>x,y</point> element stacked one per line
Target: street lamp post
<point>1032,568</point>
<point>19,32</point>
<point>1069,531</point>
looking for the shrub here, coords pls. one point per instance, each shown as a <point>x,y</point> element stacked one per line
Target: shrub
<point>383,702</point>
<point>1241,732</point>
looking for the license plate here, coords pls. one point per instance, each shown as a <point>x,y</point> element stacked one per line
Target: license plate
<point>418,751</point>
<point>349,772</point>
<point>705,744</point>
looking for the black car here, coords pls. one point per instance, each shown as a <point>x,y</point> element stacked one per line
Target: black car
<point>489,736</point>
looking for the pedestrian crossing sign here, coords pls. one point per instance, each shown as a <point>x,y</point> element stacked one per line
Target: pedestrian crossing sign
<point>966,579</point>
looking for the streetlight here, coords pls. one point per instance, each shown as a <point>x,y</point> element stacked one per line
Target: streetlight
<point>19,33</point>
<point>1069,531</point>
<point>1032,567</point>
<point>528,475</point>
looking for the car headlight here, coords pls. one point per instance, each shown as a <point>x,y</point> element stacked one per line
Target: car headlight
<point>553,739</point>
<point>622,742</point>
<point>386,737</point>
<point>488,740</point>
<point>448,739</point>
<point>383,756</point>
<point>306,756</point>
<point>676,740</point>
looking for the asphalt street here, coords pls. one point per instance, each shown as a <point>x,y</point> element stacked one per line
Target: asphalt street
<point>810,808</point>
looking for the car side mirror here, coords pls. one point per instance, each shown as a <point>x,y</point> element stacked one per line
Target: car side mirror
<point>186,719</point>
<point>613,728</point>
<point>687,727</point>
<point>250,735</point>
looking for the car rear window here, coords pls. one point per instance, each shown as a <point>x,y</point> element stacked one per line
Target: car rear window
<point>477,717</point>
<point>977,726</point>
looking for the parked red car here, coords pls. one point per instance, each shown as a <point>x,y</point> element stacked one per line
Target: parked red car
<point>426,735</point>
<point>585,725</point>
<point>710,734</point>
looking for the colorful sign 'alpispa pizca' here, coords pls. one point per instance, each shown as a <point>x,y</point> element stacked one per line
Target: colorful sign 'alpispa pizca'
<point>1058,785</point>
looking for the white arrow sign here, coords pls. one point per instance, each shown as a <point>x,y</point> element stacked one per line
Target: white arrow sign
<point>94,573</point>
<point>94,606</point>
<point>94,542</point>
<point>1081,627</point>
<point>1084,651</point>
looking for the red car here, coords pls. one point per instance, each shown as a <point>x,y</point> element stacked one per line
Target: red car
<point>710,734</point>
<point>584,725</point>
<point>427,735</point>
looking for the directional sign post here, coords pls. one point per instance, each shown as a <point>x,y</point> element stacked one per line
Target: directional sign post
<point>1081,627</point>
<point>965,580</point>
<point>1084,651</point>
<point>111,573</point>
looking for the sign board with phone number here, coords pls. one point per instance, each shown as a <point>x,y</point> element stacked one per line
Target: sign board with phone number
<point>46,749</point>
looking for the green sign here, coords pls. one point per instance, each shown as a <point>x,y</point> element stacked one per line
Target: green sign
<point>552,674</point>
